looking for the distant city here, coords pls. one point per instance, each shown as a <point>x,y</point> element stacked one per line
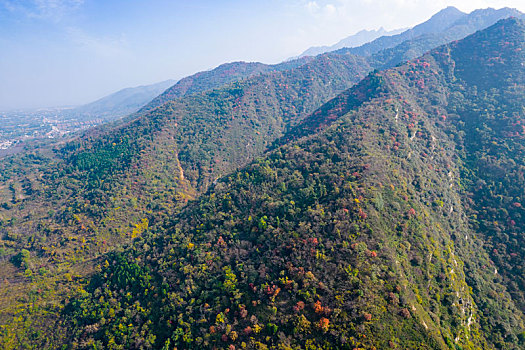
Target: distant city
<point>19,127</point>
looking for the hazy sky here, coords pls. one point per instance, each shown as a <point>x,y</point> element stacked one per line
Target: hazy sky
<point>67,52</point>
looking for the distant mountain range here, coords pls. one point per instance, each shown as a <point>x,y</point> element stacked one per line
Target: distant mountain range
<point>358,39</point>
<point>448,24</point>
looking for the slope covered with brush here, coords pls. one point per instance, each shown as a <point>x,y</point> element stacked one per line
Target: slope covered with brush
<point>104,188</point>
<point>360,235</point>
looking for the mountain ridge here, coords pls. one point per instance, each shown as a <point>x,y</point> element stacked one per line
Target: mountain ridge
<point>458,25</point>
<point>423,32</point>
<point>214,78</point>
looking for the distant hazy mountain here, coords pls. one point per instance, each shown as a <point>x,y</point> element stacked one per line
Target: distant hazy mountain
<point>358,39</point>
<point>123,102</point>
<point>447,25</point>
<point>450,22</point>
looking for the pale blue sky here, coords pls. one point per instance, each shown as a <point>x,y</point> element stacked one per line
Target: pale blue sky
<point>67,52</point>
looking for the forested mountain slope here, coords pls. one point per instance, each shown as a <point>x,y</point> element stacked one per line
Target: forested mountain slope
<point>61,212</point>
<point>387,227</point>
<point>215,78</point>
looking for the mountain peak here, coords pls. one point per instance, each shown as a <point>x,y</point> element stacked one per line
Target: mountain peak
<point>439,21</point>
<point>448,10</point>
<point>449,14</point>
